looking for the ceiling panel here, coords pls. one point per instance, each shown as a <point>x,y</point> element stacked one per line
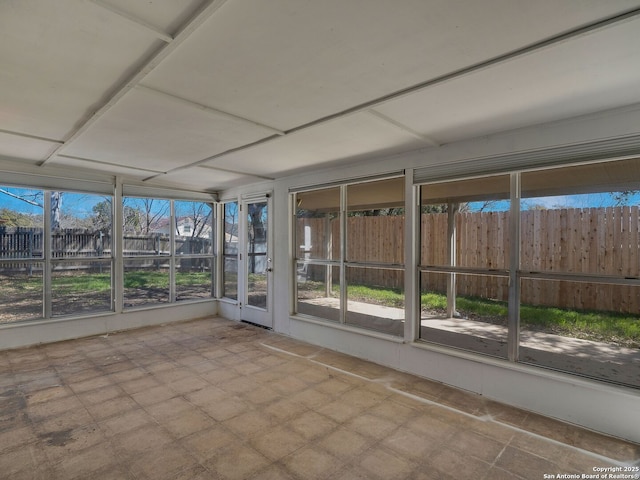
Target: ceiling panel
<point>285,63</point>
<point>345,138</point>
<point>203,179</point>
<point>59,59</point>
<point>166,15</point>
<point>586,74</point>
<point>87,164</point>
<point>158,132</point>
<point>21,147</point>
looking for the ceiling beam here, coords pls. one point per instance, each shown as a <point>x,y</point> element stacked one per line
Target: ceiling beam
<point>210,110</point>
<point>497,60</point>
<point>380,116</point>
<point>208,9</point>
<point>109,164</point>
<point>137,22</point>
<point>32,137</point>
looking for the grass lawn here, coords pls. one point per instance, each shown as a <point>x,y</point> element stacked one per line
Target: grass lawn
<point>618,328</point>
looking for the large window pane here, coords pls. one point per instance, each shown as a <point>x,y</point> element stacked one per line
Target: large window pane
<point>375,299</point>
<point>258,262</point>
<point>80,225</point>
<point>597,336</point>
<point>375,222</point>
<point>21,222</point>
<point>318,225</point>
<point>194,232</point>
<point>20,291</point>
<point>147,226</point>
<point>318,291</point>
<point>471,214</point>
<point>479,319</point>
<point>80,287</point>
<point>146,282</point>
<point>194,278</point>
<point>582,221</point>
<point>230,251</point>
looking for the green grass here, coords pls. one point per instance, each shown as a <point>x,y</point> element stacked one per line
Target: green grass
<point>594,325</point>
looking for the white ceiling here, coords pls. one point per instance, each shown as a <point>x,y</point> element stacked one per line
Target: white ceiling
<point>206,94</point>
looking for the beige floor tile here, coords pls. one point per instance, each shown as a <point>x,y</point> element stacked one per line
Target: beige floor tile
<point>187,422</point>
<point>382,464</point>
<point>238,463</point>
<point>278,442</point>
<point>312,425</point>
<point>312,463</point>
<point>207,400</point>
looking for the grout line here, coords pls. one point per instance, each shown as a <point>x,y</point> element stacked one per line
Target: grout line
<point>485,418</point>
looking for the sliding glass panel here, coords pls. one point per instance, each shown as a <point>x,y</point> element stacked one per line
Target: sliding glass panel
<point>146,281</point>
<point>20,291</point>
<point>80,225</point>
<point>80,287</point>
<point>586,328</point>
<point>375,222</point>
<point>375,299</point>
<point>479,320</point>
<point>318,290</point>
<point>474,215</point>
<point>193,224</point>
<point>194,278</point>
<point>147,226</point>
<point>21,222</point>
<point>318,224</point>
<point>230,251</point>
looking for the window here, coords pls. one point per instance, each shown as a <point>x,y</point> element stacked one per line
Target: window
<point>580,277</point>
<point>464,256</point>
<point>566,296</point>
<point>350,254</point>
<point>230,251</point>
<point>162,263</point>
<point>194,250</point>
<point>65,270</point>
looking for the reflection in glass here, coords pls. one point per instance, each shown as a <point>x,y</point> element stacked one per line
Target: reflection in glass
<point>317,224</point>
<point>479,323</point>
<point>318,291</point>
<point>146,282</point>
<point>373,306</point>
<point>80,287</point>
<point>602,342</point>
<point>20,291</point>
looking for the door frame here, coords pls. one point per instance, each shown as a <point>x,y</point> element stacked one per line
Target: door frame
<point>249,313</point>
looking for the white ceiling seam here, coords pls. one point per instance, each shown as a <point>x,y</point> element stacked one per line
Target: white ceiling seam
<point>238,172</point>
<point>388,120</point>
<point>139,23</point>
<point>204,13</point>
<point>100,162</point>
<point>470,69</point>
<point>32,137</point>
<point>208,109</point>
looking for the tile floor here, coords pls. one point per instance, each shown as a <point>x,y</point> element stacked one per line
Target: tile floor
<point>214,399</point>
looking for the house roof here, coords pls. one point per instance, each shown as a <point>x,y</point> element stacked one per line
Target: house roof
<point>206,94</point>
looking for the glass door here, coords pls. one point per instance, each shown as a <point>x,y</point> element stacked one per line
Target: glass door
<point>256,263</point>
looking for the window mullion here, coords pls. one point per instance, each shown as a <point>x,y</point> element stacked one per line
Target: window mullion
<point>513,334</point>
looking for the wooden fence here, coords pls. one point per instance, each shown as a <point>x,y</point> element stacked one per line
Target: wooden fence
<point>28,243</point>
<point>601,241</point>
